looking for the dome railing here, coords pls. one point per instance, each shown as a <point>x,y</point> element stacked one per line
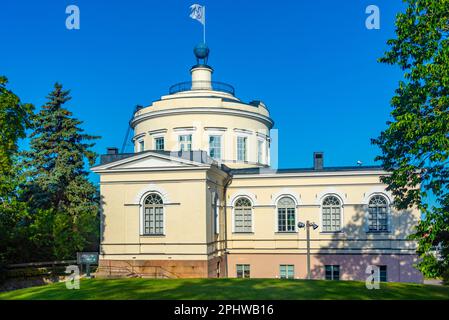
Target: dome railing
<point>202,85</point>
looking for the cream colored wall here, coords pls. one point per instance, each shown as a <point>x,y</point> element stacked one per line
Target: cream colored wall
<point>216,184</point>
<point>201,126</point>
<point>184,212</point>
<point>201,99</point>
<point>189,233</point>
<point>354,190</point>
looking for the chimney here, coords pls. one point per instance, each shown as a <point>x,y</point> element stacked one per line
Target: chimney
<point>112,151</point>
<point>318,160</point>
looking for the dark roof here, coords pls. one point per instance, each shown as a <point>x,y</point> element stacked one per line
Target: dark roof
<point>203,157</point>
<point>197,156</point>
<point>304,170</point>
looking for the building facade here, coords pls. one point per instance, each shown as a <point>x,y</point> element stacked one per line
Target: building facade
<point>198,198</point>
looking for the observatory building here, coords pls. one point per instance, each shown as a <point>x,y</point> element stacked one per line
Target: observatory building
<point>198,198</point>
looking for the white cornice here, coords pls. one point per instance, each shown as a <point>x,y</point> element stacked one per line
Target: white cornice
<point>215,129</point>
<point>311,174</point>
<point>262,135</point>
<point>157,131</point>
<point>157,169</point>
<point>244,131</point>
<point>138,136</point>
<point>113,165</point>
<point>206,110</point>
<point>184,129</point>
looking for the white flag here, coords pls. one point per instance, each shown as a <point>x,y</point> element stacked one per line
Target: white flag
<point>198,13</point>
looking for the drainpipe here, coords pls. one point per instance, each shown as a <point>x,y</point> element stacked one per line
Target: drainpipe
<point>225,203</point>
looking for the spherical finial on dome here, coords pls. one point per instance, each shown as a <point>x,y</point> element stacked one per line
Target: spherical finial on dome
<point>201,52</point>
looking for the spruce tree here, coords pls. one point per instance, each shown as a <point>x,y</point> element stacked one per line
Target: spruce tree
<point>64,204</point>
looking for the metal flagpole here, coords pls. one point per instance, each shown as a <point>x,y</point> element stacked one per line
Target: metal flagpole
<point>204,24</point>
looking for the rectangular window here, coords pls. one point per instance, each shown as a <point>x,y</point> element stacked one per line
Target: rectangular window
<point>286,219</point>
<point>141,146</point>
<point>215,147</point>
<point>185,142</point>
<point>260,150</point>
<point>378,218</point>
<point>159,143</point>
<point>383,273</point>
<point>243,271</point>
<point>153,221</point>
<point>332,272</point>
<point>243,220</point>
<point>331,219</point>
<point>287,271</point>
<point>241,148</point>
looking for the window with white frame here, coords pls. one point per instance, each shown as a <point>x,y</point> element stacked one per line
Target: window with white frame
<point>153,215</point>
<point>141,145</point>
<point>215,147</point>
<point>332,272</point>
<point>383,273</point>
<point>185,142</point>
<point>378,214</point>
<point>286,211</point>
<point>260,151</point>
<point>331,214</point>
<point>159,143</point>
<point>287,271</point>
<point>241,148</point>
<point>243,271</point>
<point>243,215</point>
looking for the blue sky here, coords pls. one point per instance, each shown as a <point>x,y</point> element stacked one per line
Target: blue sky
<point>312,62</point>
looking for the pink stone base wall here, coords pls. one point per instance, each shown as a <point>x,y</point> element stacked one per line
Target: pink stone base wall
<point>352,266</point>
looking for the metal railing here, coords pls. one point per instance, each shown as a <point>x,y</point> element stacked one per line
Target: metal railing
<point>202,85</point>
<point>155,272</point>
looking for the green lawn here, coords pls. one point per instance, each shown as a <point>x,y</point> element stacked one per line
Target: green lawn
<point>228,289</point>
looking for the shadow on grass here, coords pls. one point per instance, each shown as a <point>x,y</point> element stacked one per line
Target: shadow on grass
<point>239,289</point>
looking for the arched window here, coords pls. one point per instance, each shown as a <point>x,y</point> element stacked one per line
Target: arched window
<point>378,214</point>
<point>243,215</point>
<point>286,215</point>
<point>331,214</point>
<point>153,215</point>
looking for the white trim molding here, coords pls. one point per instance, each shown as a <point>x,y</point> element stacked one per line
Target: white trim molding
<point>220,129</point>
<point>151,188</point>
<point>243,131</point>
<point>243,193</point>
<point>342,212</point>
<point>159,131</point>
<point>377,191</point>
<point>141,196</point>
<point>138,136</point>
<point>202,110</point>
<point>328,192</point>
<point>287,193</point>
<point>233,215</point>
<point>184,129</point>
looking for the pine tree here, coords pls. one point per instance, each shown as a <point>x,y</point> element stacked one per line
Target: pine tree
<point>64,204</point>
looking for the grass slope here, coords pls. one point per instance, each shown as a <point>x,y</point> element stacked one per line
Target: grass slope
<point>201,289</point>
